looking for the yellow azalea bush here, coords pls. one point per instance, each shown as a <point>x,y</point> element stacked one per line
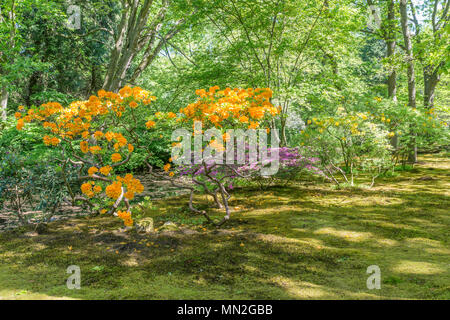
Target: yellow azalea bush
<point>348,144</point>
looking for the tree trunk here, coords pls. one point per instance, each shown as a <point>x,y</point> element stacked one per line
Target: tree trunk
<point>390,42</point>
<point>4,103</point>
<point>411,74</point>
<point>137,37</point>
<point>31,84</point>
<point>283,137</point>
<point>430,80</point>
<point>392,78</point>
<point>94,84</point>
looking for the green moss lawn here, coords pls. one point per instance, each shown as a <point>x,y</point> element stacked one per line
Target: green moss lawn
<point>296,242</point>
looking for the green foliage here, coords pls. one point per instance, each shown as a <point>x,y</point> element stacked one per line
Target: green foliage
<point>27,142</point>
<point>347,145</point>
<point>28,186</point>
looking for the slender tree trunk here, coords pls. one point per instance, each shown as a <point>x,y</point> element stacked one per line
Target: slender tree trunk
<point>31,84</point>
<point>411,73</point>
<point>283,137</point>
<point>4,103</point>
<point>430,80</point>
<point>12,36</point>
<point>391,44</point>
<point>94,84</point>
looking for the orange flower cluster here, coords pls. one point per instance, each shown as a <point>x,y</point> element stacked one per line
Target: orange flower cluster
<point>92,171</point>
<point>126,217</point>
<point>150,124</point>
<point>105,170</point>
<point>51,141</point>
<point>132,184</point>
<point>114,190</point>
<point>116,157</point>
<point>90,189</point>
<point>76,119</point>
<point>84,147</point>
<point>228,108</point>
<point>231,106</point>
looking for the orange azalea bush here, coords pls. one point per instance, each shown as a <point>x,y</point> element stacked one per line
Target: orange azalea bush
<point>223,110</point>
<point>97,136</point>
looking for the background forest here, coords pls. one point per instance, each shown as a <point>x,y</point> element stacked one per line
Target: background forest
<point>315,55</point>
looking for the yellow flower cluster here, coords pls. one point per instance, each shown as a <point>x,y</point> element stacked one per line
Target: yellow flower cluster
<point>349,121</point>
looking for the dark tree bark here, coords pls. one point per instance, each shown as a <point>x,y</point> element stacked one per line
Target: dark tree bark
<point>95,83</point>
<point>30,90</point>
<point>431,71</point>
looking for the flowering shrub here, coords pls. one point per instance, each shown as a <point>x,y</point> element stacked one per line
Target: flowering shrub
<point>224,110</point>
<point>97,137</point>
<point>408,128</point>
<point>348,144</point>
<point>372,141</point>
<point>292,164</point>
<point>221,109</point>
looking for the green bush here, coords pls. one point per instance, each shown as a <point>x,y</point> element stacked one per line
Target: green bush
<point>348,145</point>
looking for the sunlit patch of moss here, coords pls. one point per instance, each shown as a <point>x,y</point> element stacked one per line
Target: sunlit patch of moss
<point>417,267</point>
<point>291,242</point>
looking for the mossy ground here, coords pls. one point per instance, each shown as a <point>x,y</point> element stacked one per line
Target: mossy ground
<point>295,242</point>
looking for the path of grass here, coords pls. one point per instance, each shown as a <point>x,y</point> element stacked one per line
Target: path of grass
<point>285,243</point>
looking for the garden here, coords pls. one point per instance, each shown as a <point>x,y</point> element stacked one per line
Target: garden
<point>224,150</point>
